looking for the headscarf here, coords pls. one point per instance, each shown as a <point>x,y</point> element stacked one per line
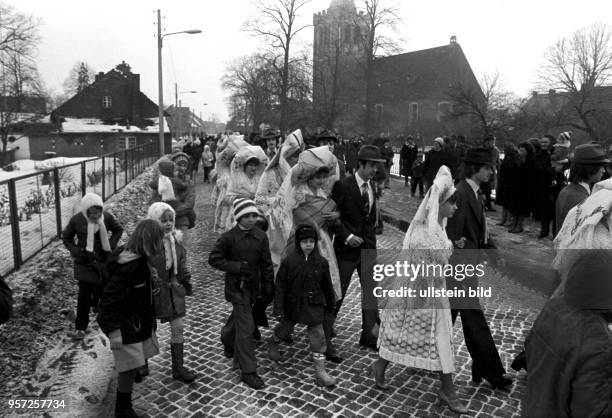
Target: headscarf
<point>239,184</point>
<point>155,212</point>
<point>88,201</point>
<point>276,171</point>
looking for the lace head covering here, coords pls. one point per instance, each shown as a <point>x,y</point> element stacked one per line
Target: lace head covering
<point>586,226</point>
<point>426,216</point>
<point>239,183</point>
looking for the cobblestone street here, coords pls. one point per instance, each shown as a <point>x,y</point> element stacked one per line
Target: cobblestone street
<point>290,388</point>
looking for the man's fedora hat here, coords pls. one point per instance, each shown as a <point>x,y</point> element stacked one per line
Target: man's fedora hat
<point>482,156</point>
<point>270,134</point>
<point>370,153</point>
<point>590,154</point>
<point>327,136</point>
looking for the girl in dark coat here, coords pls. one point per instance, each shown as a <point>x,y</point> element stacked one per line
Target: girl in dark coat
<point>524,202</point>
<point>127,313</point>
<point>174,284</point>
<point>97,233</point>
<point>544,204</point>
<point>304,292</point>
<point>508,186</point>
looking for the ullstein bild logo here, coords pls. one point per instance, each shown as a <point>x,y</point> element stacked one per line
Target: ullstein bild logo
<point>413,271</point>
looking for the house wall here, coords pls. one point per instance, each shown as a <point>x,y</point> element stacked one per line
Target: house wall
<point>93,144</point>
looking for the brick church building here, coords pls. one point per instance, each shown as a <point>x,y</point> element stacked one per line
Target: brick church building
<point>410,92</point>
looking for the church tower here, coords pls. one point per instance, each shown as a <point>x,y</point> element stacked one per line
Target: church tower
<point>338,45</point>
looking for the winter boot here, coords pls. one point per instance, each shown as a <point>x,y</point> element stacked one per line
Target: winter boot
<point>273,348</point>
<point>142,372</point>
<point>178,371</point>
<point>321,376</point>
<point>123,406</point>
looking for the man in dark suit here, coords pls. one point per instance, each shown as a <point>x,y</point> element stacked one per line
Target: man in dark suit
<point>468,231</point>
<point>587,169</point>
<point>354,197</point>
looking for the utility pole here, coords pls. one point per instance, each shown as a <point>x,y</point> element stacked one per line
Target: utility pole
<point>160,84</point>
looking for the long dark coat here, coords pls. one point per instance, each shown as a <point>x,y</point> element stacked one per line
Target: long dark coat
<point>525,204</point>
<point>543,204</point>
<point>570,196</point>
<point>508,183</point>
<point>303,288</point>
<point>89,266</point>
<point>408,154</point>
<point>433,161</point>
<point>127,301</point>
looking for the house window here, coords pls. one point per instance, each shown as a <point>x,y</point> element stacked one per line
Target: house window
<point>107,102</point>
<point>414,112</point>
<point>444,109</point>
<point>127,142</point>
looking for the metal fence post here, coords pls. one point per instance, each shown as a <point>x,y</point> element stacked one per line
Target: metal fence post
<point>58,207</point>
<point>17,258</point>
<point>103,180</point>
<point>83,179</point>
<point>125,159</point>
<point>133,165</point>
<point>114,173</point>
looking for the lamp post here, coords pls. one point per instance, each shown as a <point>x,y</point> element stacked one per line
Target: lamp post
<point>159,76</point>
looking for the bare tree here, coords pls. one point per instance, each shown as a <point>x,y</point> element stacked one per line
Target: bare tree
<point>492,107</point>
<point>277,22</point>
<point>580,64</point>
<point>19,81</point>
<point>376,21</point>
<point>80,76</point>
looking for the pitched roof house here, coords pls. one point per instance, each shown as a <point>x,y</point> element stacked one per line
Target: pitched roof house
<point>111,114</point>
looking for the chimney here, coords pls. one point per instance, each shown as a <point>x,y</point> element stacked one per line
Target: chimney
<point>99,76</point>
<point>453,40</point>
<point>551,92</point>
<point>534,93</point>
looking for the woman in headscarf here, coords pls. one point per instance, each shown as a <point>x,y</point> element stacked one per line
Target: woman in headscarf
<point>417,331</point>
<point>269,184</point>
<point>227,147</point>
<point>246,170</point>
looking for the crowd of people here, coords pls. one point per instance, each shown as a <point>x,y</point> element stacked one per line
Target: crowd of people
<point>294,222</point>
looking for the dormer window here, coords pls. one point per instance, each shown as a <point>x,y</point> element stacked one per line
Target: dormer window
<point>107,102</point>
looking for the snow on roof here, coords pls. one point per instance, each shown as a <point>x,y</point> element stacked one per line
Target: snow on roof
<point>78,125</point>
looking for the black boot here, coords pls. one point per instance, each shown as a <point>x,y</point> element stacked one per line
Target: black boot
<point>123,406</point>
<point>178,371</point>
<point>520,362</point>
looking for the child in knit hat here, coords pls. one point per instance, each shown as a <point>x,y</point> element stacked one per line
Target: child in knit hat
<point>97,233</point>
<point>243,253</point>
<point>304,291</point>
<point>174,285</point>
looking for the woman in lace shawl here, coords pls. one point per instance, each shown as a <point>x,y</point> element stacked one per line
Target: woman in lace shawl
<point>246,170</point>
<point>268,187</point>
<point>415,331</point>
<point>304,199</point>
<point>587,226</point>
<point>226,150</point>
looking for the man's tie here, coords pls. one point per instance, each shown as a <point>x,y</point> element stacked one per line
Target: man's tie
<point>365,196</point>
<point>483,217</point>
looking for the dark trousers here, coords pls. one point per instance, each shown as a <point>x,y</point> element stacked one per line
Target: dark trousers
<point>316,335</point>
<point>237,334</point>
<point>369,311</point>
<point>206,173</point>
<point>89,295</point>
<point>413,185</point>
<point>485,358</point>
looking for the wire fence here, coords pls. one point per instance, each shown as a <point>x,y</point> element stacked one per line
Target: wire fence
<point>34,208</point>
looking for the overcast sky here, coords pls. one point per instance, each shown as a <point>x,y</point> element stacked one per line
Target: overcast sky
<point>509,36</point>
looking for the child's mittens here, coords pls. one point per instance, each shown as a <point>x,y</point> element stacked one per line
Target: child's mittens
<point>116,340</point>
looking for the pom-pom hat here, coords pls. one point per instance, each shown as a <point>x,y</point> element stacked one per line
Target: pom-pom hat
<point>243,206</point>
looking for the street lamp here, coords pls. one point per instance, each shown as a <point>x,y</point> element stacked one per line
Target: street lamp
<point>159,76</point>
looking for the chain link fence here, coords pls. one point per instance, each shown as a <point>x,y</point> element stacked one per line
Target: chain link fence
<point>34,208</point>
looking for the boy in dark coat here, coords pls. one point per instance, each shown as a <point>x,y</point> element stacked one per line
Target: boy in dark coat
<point>417,176</point>
<point>304,292</point>
<point>97,233</point>
<point>243,253</point>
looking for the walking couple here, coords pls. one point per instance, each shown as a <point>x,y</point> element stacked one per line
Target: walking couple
<point>417,332</point>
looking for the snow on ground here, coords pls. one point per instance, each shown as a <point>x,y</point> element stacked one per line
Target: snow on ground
<point>24,167</point>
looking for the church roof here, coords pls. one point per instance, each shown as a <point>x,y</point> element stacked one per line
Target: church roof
<point>424,74</point>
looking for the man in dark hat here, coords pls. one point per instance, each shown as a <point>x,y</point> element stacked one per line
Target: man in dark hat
<point>329,139</point>
<point>354,196</point>
<point>468,231</point>
<point>587,168</point>
<point>269,142</point>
